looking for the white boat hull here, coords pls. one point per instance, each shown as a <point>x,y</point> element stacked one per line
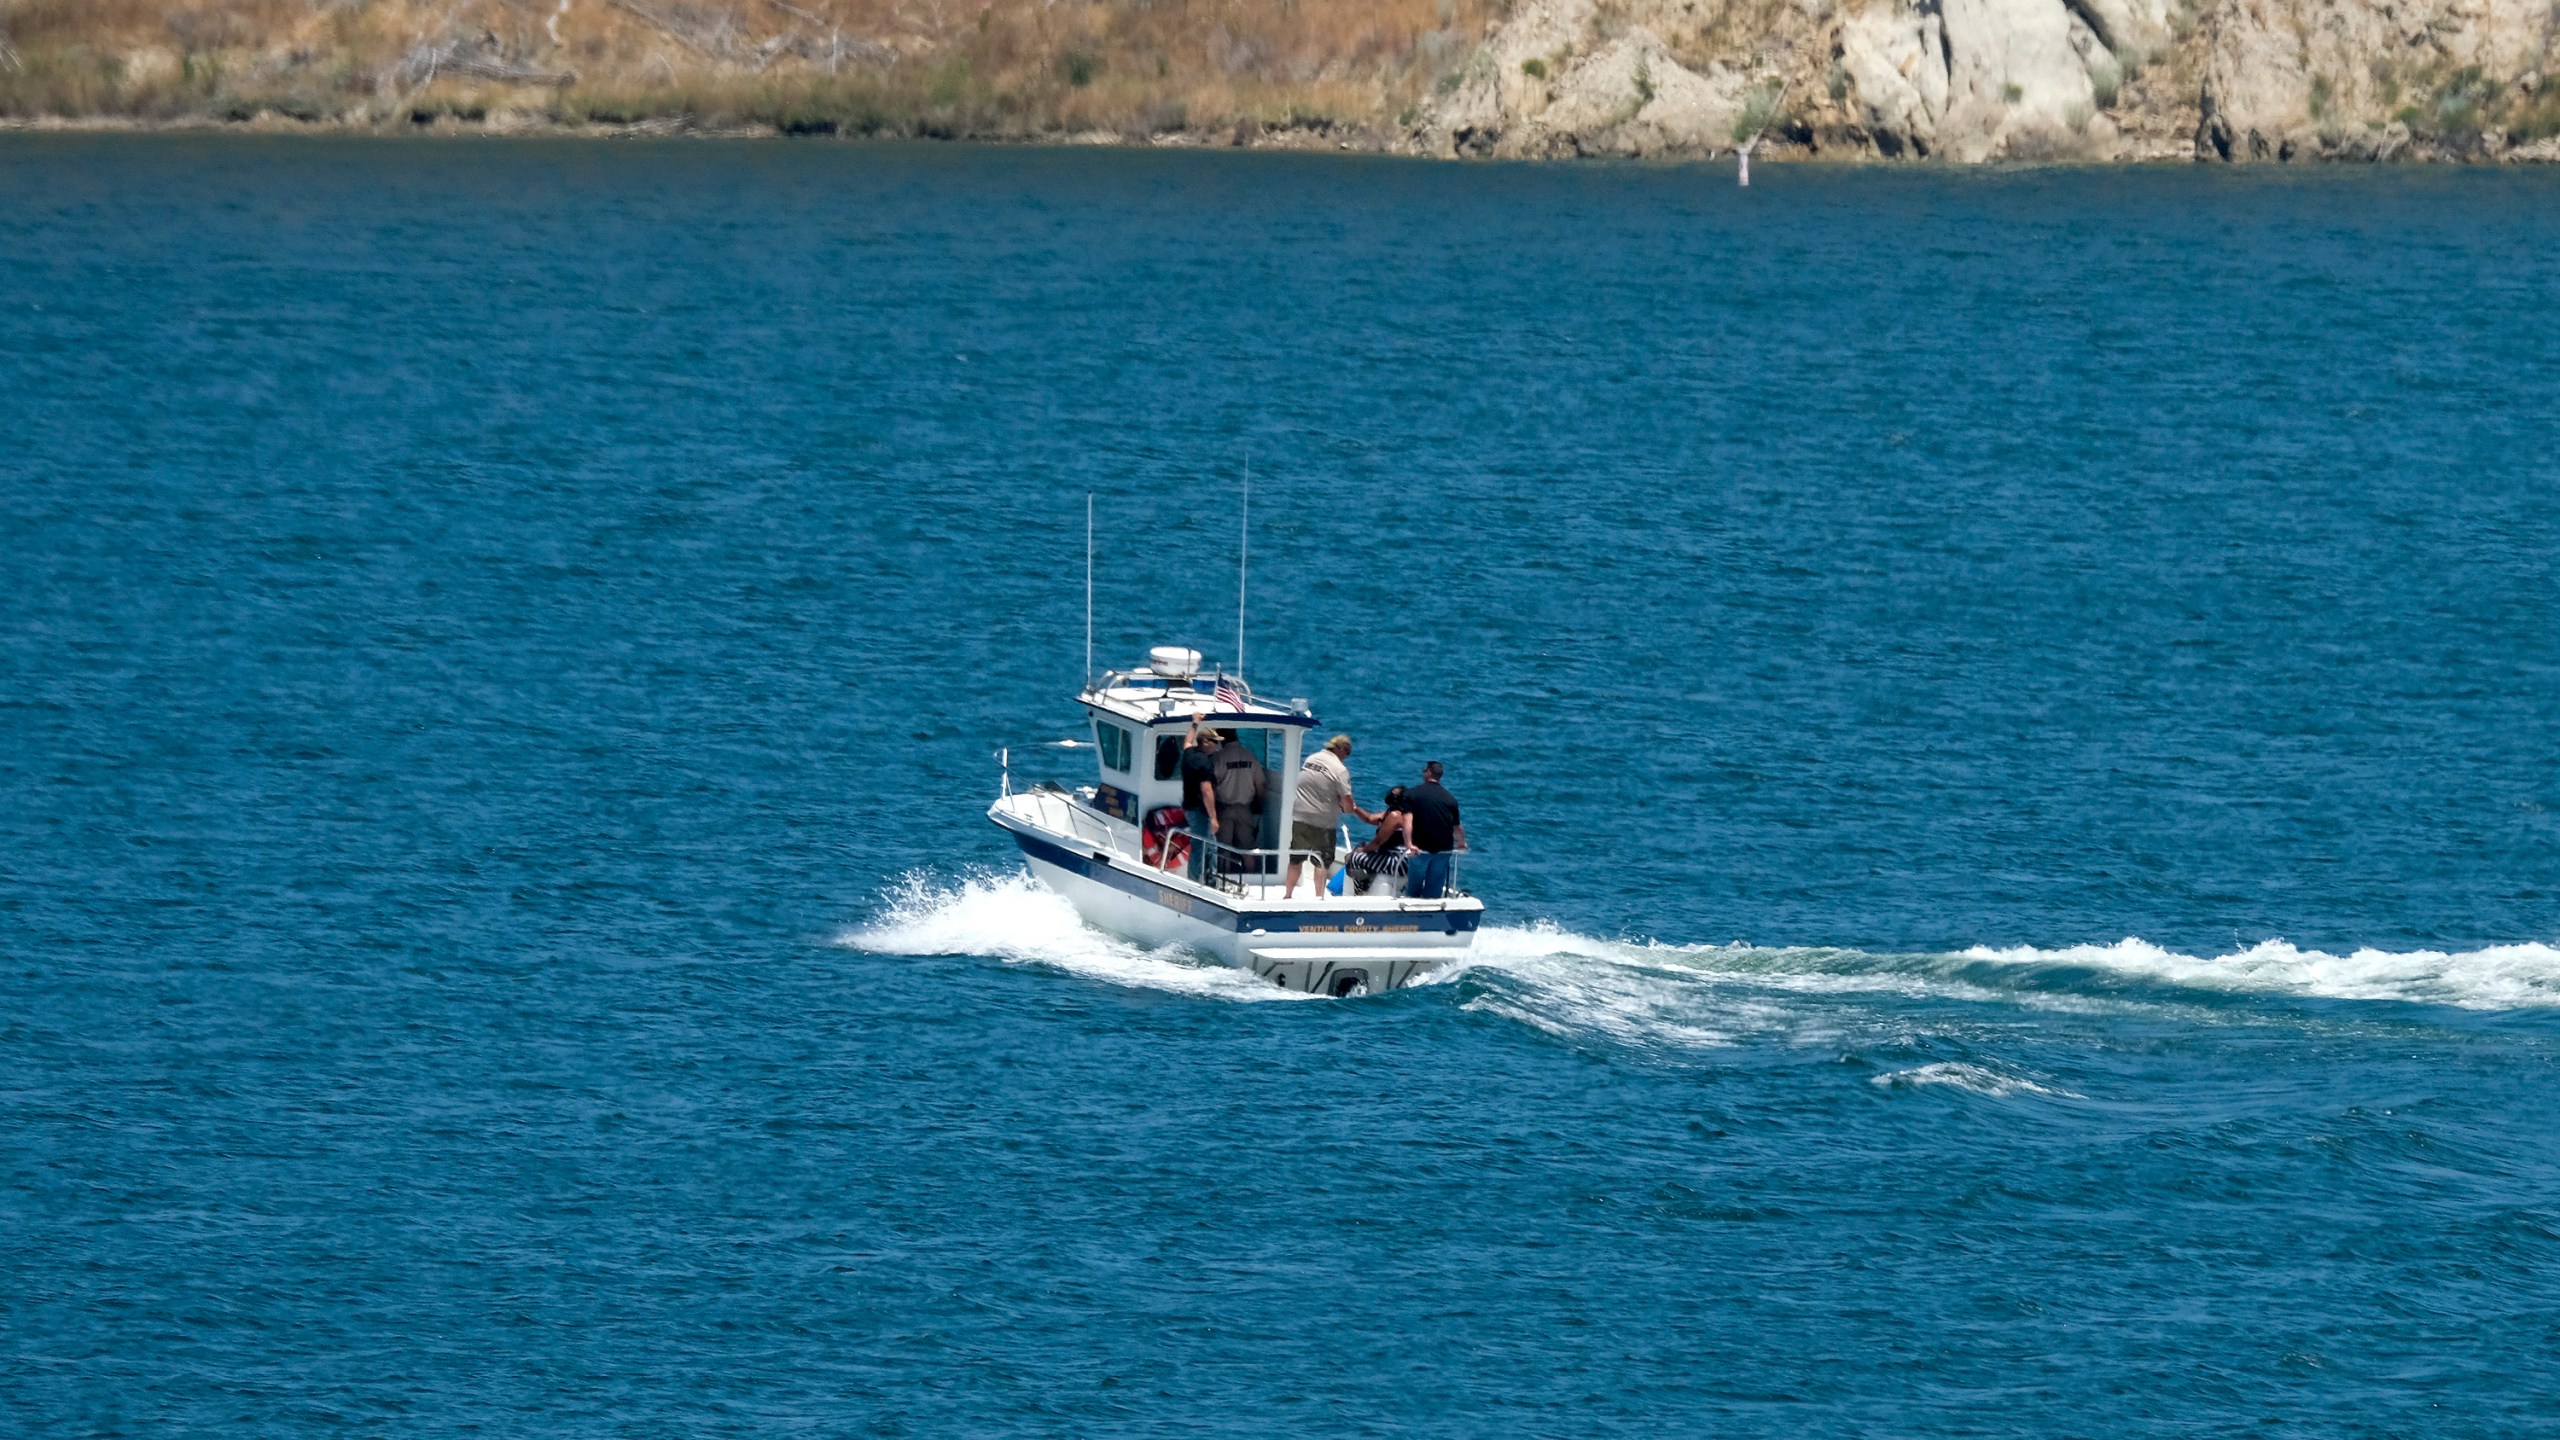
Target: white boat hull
<point>1322,945</point>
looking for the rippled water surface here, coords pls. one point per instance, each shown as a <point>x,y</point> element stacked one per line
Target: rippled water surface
<point>2009,718</point>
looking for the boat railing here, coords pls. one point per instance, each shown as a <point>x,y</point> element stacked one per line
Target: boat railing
<point>1396,869</point>
<point>1229,868</point>
<point>1072,816</point>
<point>1221,866</point>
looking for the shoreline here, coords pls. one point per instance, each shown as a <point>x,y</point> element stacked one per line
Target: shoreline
<point>1327,140</point>
<point>1887,82</point>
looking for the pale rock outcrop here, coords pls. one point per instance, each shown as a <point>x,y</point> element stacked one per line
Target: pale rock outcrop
<point>1500,88</point>
<point>1637,100</point>
<point>1964,79</point>
<point>1970,80</point>
<point>2368,79</point>
<point>2012,71</point>
<point>1550,84</point>
<point>2134,31</point>
<point>1895,59</point>
<point>2257,94</point>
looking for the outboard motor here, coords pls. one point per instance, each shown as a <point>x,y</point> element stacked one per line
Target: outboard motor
<point>1347,983</point>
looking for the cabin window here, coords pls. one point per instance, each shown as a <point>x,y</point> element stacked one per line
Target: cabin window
<point>1168,756</point>
<point>1118,746</point>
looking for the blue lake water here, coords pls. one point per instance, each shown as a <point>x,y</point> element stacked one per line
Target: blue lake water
<point>2009,721</point>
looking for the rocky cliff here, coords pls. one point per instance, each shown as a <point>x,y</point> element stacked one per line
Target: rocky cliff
<point>1955,80</point>
<point>1973,80</point>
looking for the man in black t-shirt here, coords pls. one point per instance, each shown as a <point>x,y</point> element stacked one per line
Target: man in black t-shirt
<point>1437,831</point>
<point>1200,791</point>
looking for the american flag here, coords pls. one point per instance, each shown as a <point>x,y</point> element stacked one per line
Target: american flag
<point>1230,694</point>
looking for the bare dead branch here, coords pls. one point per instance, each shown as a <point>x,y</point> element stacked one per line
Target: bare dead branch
<point>713,47</point>
<point>475,58</point>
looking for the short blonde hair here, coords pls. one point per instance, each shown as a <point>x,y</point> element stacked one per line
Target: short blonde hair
<point>1339,744</point>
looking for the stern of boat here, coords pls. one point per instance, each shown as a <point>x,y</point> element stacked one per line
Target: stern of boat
<point>1342,972</point>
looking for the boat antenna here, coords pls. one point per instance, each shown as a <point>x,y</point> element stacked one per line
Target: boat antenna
<point>1244,548</point>
<point>1088,587</point>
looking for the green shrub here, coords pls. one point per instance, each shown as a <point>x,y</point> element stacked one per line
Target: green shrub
<point>1757,111</point>
<point>1534,68</point>
<point>2537,118</point>
<point>951,83</point>
<point>2466,100</point>
<point>2106,82</point>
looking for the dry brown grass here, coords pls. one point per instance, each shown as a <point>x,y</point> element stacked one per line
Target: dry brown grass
<point>950,67</point>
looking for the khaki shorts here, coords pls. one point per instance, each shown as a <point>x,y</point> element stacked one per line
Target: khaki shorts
<point>1313,838</point>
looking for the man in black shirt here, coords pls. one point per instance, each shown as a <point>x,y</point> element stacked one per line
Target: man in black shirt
<point>1437,831</point>
<point>1200,791</point>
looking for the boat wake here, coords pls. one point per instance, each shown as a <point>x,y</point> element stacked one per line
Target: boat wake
<point>1013,918</point>
<point>1688,996</point>
<point>2501,977</point>
<point>1976,1079</point>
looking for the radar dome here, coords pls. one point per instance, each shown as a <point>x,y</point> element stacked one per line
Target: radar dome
<point>1173,662</point>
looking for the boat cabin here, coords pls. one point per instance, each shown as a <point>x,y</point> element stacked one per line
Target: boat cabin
<point>1140,718</point>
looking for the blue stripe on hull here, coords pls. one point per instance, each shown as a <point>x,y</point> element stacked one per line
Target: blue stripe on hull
<point>1200,907</point>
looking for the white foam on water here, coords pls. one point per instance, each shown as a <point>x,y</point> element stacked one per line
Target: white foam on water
<point>1571,985</point>
<point>1704,996</point>
<point>2501,977</point>
<point>1812,970</point>
<point>1978,1079</point>
<point>1643,992</point>
<point>1016,919</point>
<point>1620,1004</point>
<point>1649,993</point>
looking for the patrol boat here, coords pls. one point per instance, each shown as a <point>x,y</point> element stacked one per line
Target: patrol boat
<point>1118,852</point>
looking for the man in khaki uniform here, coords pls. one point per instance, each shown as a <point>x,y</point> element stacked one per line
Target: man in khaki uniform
<point>1242,784</point>
<point>1324,796</point>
